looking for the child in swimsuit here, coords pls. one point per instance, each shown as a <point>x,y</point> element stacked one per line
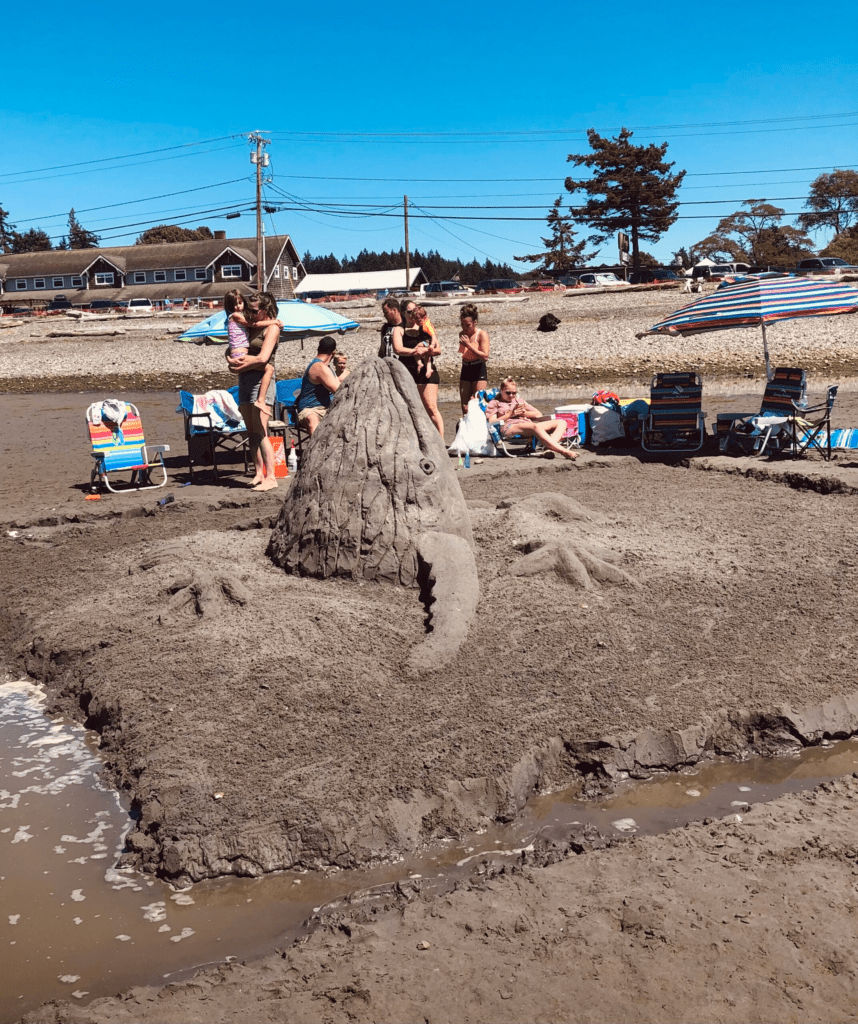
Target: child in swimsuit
<point>236,329</point>
<point>426,364</point>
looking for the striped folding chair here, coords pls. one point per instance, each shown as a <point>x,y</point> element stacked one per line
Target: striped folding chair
<point>774,427</point>
<point>123,449</point>
<point>675,420</point>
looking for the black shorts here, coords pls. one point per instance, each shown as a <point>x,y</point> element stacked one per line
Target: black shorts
<point>432,378</point>
<point>474,370</point>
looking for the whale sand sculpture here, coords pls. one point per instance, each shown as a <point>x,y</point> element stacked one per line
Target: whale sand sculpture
<point>377,499</point>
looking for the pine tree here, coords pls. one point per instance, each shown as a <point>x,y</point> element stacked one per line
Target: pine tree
<point>7,231</point>
<point>34,240</point>
<point>561,253</point>
<point>79,237</point>
<point>631,189</point>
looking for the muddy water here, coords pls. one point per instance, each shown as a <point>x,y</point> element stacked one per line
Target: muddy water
<point>73,927</point>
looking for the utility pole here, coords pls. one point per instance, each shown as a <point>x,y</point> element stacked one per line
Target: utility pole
<point>259,158</point>
<point>407,257</point>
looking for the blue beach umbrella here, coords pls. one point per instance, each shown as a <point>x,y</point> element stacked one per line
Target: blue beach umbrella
<point>300,319</point>
<point>757,302</point>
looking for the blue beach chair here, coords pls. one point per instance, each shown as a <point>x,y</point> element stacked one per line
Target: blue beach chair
<point>205,438</point>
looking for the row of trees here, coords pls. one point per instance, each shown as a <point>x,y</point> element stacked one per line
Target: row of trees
<point>36,240</point>
<point>434,265</point>
<point>633,189</point>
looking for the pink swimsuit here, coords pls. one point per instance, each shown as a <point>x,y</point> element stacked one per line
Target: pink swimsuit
<point>237,334</point>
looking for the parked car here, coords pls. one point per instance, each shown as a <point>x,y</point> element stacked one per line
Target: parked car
<point>719,270</point>
<point>141,304</point>
<point>58,305</point>
<point>101,305</point>
<point>652,275</point>
<point>498,285</point>
<point>601,279</point>
<point>543,285</point>
<point>828,265</point>
<point>445,288</point>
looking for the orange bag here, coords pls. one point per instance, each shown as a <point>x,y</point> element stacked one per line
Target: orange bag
<point>280,467</point>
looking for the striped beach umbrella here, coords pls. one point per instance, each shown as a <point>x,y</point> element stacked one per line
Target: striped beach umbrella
<point>754,302</point>
<point>300,319</point>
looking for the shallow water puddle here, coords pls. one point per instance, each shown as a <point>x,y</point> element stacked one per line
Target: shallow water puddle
<point>73,927</point>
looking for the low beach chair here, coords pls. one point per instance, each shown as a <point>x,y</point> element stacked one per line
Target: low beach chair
<point>774,428</point>
<point>675,422</point>
<point>207,436</point>
<point>120,447</point>
<point>503,445</point>
<point>286,413</point>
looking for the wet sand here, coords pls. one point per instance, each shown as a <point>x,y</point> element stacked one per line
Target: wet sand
<point>291,700</point>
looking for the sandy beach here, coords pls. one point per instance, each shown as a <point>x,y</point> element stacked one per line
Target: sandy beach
<point>718,616</point>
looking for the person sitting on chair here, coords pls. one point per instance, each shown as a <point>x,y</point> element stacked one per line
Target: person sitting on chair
<point>317,386</point>
<point>515,416</point>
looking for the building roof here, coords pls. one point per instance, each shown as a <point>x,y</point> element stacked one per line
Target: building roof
<point>163,256</point>
<point>374,280</point>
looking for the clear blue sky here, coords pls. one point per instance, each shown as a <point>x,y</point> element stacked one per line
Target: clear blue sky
<point>519,85</point>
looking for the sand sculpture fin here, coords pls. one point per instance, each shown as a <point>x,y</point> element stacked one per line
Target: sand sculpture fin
<point>451,573</point>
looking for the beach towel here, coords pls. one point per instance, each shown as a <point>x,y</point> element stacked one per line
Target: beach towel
<point>110,413</point>
<point>844,438</point>
<point>220,405</point>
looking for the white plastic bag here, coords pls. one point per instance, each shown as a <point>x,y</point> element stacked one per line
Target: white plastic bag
<point>606,424</point>
<point>473,433</point>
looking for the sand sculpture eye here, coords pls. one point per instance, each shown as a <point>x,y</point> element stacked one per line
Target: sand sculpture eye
<point>428,466</point>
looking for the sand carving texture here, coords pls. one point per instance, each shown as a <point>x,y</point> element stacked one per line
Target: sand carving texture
<point>377,499</point>
<point>551,531</point>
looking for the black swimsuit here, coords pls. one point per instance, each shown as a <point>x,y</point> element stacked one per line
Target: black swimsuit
<point>418,369</point>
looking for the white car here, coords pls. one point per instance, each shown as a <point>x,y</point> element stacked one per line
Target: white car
<point>141,304</point>
<point>601,280</point>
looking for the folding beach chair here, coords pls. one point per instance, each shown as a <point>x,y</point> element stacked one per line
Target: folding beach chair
<point>206,436</point>
<point>776,427</point>
<point>675,420</point>
<point>118,446</point>
<point>524,445</point>
<point>807,434</point>
<point>286,412</point>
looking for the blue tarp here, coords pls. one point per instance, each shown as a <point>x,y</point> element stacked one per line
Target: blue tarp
<point>299,319</point>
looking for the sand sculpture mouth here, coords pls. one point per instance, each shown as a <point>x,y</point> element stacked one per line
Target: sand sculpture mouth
<point>206,669</point>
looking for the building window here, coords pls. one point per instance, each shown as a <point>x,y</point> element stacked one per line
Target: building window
<point>140,277</point>
<point>231,270</point>
<point>160,276</point>
<point>180,275</point>
<point>21,285</point>
<point>76,282</point>
<point>39,282</point>
<point>294,273</point>
<point>200,273</point>
<point>277,271</point>
<point>102,279</point>
<point>57,282</point>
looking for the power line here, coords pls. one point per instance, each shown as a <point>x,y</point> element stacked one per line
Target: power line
<point>124,156</point>
<point>437,140</point>
<point>131,202</point>
<point>558,178</point>
<point>118,167</point>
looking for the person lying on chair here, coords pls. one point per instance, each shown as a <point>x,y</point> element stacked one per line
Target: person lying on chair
<point>517,417</point>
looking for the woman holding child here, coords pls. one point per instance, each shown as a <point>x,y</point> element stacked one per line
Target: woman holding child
<point>255,368</point>
<point>416,345</point>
